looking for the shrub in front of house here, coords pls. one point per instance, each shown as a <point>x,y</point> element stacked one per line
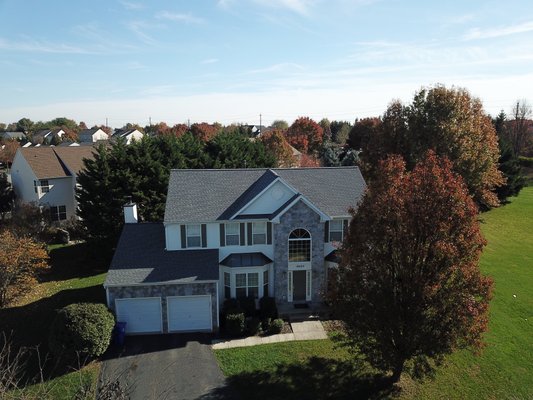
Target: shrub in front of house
<point>253,325</point>
<point>235,324</point>
<point>81,330</point>
<point>276,326</point>
<point>268,308</point>
<point>248,306</point>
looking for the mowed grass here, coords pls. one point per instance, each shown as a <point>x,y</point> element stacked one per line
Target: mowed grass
<point>503,370</point>
<point>75,275</point>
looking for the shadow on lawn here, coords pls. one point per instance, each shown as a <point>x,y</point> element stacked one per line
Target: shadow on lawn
<point>28,325</point>
<point>76,261</point>
<point>317,378</point>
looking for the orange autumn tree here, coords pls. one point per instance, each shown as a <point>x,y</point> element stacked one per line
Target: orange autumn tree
<point>21,260</point>
<point>275,142</point>
<point>305,135</point>
<point>453,124</point>
<point>408,285</point>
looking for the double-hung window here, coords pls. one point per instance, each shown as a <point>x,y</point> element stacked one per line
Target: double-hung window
<point>247,285</point>
<point>259,232</point>
<point>41,185</point>
<point>265,283</point>
<point>194,236</point>
<point>227,285</point>
<point>336,230</point>
<point>233,234</point>
<point>58,213</point>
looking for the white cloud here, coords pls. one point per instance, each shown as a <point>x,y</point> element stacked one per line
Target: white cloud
<point>140,28</point>
<point>129,5</point>
<point>209,61</point>
<point>42,46</point>
<point>477,33</point>
<point>179,17</point>
<point>280,67</point>
<point>301,7</point>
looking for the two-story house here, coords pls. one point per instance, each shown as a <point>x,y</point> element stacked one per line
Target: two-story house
<point>230,233</point>
<point>47,175</point>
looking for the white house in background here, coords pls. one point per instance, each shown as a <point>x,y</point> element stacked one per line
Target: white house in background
<point>128,134</point>
<point>92,135</point>
<point>231,234</point>
<point>44,136</point>
<point>46,175</point>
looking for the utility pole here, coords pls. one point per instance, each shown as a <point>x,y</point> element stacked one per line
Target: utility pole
<point>150,119</point>
<point>188,123</point>
<point>106,122</point>
<point>260,121</point>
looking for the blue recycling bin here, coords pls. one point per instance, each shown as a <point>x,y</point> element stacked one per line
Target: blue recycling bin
<point>120,333</point>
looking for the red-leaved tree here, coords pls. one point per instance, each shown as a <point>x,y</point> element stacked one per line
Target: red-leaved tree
<point>305,135</point>
<point>408,285</point>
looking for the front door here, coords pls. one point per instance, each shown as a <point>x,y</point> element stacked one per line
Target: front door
<point>299,284</point>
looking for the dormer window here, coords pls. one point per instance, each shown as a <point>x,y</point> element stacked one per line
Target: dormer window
<point>194,236</point>
<point>259,232</point>
<point>41,185</point>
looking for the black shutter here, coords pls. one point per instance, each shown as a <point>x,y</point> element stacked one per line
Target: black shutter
<point>344,228</point>
<point>243,234</point>
<point>222,235</point>
<point>204,235</point>
<point>326,232</point>
<point>269,232</point>
<point>249,234</point>
<point>183,237</point>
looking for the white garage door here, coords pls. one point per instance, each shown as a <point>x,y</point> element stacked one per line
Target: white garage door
<point>189,313</point>
<point>142,315</point>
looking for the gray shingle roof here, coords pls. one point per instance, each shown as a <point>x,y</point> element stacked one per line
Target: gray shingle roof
<point>141,257</point>
<point>246,260</point>
<point>210,195</point>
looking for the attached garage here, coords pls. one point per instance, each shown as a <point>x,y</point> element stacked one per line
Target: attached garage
<point>142,315</point>
<point>189,313</point>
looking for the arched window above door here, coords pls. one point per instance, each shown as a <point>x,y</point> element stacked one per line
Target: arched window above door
<point>299,246</point>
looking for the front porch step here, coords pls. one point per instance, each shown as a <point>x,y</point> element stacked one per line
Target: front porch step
<point>292,314</point>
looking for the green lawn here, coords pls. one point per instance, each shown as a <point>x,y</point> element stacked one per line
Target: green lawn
<point>504,370</point>
<point>76,275</point>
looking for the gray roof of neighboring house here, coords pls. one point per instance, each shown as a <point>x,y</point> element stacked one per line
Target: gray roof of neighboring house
<point>124,132</point>
<point>216,194</point>
<point>141,257</point>
<point>12,135</point>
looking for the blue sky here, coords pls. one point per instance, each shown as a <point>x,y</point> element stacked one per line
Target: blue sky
<point>231,60</point>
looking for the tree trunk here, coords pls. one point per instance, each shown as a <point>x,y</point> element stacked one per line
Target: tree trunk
<point>397,371</point>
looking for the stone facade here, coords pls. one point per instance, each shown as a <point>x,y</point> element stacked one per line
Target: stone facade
<point>299,216</point>
<point>188,289</point>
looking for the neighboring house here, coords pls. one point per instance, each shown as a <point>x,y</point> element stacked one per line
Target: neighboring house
<point>226,234</point>
<point>92,135</point>
<point>12,135</point>
<point>128,134</point>
<point>47,176</point>
<point>44,136</point>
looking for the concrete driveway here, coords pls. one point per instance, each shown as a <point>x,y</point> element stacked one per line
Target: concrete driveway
<point>178,366</point>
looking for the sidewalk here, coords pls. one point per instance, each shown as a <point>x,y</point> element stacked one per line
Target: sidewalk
<point>306,330</point>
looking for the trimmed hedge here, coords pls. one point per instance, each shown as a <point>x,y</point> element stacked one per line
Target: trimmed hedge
<point>82,329</point>
<point>276,326</point>
<point>268,308</point>
<point>235,324</point>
